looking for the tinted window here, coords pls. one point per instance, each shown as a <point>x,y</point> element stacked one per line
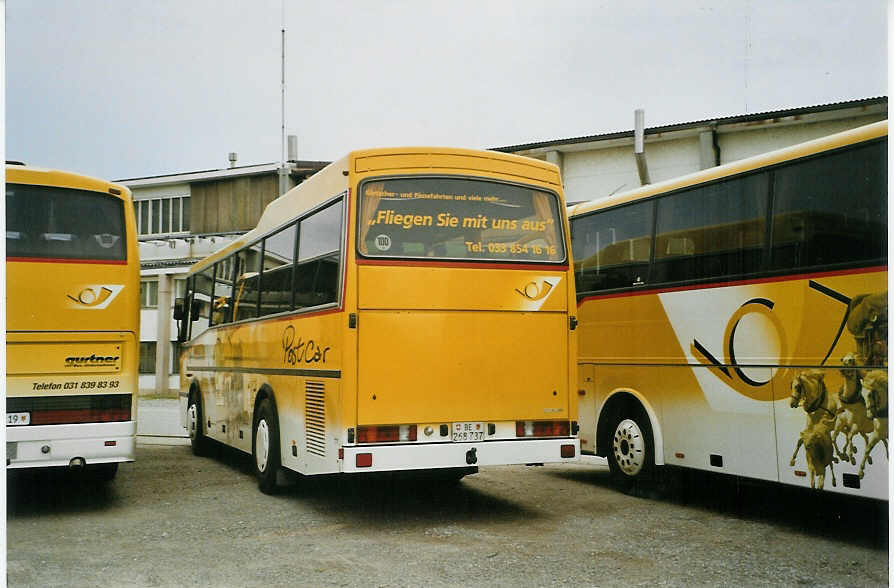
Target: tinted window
<point>321,233</point>
<point>611,249</point>
<point>61,223</point>
<point>711,231</point>
<point>319,247</point>
<point>201,297</point>
<point>223,292</point>
<point>831,209</point>
<point>458,218</point>
<point>276,279</point>
<point>247,281</point>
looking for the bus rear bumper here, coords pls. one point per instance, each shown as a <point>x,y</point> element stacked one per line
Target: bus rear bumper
<point>385,458</point>
<point>56,445</point>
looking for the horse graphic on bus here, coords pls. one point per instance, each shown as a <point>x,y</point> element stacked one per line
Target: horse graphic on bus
<point>860,406</point>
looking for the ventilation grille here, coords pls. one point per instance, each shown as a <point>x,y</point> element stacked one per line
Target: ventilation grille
<point>315,417</point>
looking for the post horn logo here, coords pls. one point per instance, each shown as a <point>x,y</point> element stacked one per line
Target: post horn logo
<point>538,290</point>
<point>96,297</point>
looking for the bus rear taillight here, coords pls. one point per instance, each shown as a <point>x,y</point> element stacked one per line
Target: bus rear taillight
<point>386,433</point>
<point>67,417</point>
<point>542,428</point>
<point>62,410</point>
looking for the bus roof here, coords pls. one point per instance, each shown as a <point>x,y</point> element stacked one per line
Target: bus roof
<point>330,181</point>
<point>25,174</point>
<point>864,133</point>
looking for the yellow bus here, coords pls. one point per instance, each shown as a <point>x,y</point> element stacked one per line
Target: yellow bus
<point>403,309</point>
<point>72,323</point>
<point>735,320</point>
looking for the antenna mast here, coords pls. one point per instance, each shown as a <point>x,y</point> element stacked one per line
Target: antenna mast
<point>283,171</point>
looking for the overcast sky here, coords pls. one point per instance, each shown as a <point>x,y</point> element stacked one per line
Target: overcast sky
<point>124,89</point>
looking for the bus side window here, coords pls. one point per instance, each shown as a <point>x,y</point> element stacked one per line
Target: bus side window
<point>611,249</point>
<point>831,209</point>
<point>245,292</point>
<point>711,231</point>
<point>319,255</point>
<point>222,304</point>
<point>276,278</point>
<point>201,302</point>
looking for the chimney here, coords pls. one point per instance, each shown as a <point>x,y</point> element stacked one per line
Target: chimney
<point>232,158</point>
<point>293,148</point>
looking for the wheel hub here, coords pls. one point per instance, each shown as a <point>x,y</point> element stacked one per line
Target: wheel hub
<point>629,447</point>
<point>262,445</point>
<point>192,419</point>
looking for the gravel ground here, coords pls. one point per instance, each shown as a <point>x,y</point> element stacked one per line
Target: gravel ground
<point>172,519</point>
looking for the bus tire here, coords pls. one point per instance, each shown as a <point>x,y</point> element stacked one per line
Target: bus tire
<point>265,446</point>
<point>194,415</point>
<point>631,450</point>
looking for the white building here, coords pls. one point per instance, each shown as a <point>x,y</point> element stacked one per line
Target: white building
<point>598,166</point>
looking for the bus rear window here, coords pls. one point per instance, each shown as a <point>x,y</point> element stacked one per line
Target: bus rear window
<point>61,223</point>
<point>459,219</point>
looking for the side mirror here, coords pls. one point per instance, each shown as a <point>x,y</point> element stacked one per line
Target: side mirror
<point>195,309</point>
<point>179,309</point>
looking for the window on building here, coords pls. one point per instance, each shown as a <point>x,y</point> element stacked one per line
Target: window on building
<point>149,294</point>
<point>179,288</point>
<point>147,357</point>
<point>159,216</point>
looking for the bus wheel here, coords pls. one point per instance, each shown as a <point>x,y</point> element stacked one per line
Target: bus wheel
<point>265,447</point>
<point>631,455</point>
<point>197,438</point>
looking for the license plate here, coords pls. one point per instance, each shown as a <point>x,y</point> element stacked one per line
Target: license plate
<point>18,418</point>
<point>12,450</point>
<point>464,432</point>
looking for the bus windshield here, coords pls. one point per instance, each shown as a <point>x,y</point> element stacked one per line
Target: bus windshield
<point>62,223</point>
<point>459,219</point>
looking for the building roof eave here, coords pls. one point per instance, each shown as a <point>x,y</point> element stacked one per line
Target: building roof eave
<point>724,124</point>
<point>299,168</point>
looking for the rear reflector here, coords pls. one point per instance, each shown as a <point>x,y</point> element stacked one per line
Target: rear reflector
<point>567,451</point>
<point>542,428</point>
<point>364,460</point>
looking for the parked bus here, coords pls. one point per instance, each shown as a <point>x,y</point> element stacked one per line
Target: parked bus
<point>735,320</point>
<point>72,322</point>
<point>402,309</point>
